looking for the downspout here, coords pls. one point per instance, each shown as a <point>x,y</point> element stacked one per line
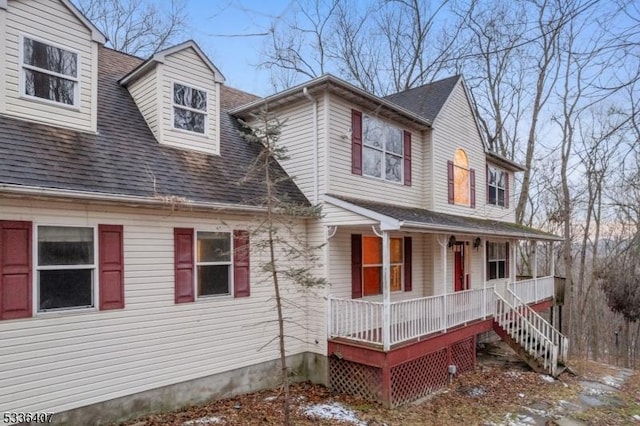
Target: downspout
<point>314,102</point>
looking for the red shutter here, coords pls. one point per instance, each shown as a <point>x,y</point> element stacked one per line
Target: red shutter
<point>241,281</point>
<point>15,270</point>
<point>407,263</point>
<point>356,266</point>
<point>506,264</point>
<point>450,183</point>
<point>506,189</point>
<point>111,266</point>
<point>472,188</point>
<point>407,158</point>
<point>184,264</point>
<point>356,142</point>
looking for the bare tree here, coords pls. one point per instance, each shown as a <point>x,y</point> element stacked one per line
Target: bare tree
<point>137,27</point>
<point>388,46</point>
<point>289,261</point>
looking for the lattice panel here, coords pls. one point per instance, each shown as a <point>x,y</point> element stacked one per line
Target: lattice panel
<point>463,354</point>
<point>355,379</point>
<point>417,378</point>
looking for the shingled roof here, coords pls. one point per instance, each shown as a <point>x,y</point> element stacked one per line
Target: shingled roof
<point>427,100</point>
<point>124,158</point>
<point>443,222</point>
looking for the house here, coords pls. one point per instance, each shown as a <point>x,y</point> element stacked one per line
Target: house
<point>129,278</point>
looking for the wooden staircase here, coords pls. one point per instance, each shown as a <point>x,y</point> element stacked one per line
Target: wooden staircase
<point>533,338</point>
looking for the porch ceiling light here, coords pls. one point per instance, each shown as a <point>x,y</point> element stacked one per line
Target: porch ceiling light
<point>452,241</point>
<point>477,243</point>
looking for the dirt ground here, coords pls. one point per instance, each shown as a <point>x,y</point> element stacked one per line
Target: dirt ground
<point>501,391</point>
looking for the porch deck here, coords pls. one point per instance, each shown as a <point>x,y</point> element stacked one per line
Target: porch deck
<point>409,320</point>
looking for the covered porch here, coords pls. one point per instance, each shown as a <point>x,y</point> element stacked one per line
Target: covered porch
<point>403,316</point>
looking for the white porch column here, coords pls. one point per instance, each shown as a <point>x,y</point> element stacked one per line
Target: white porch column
<point>514,269</point>
<point>553,260</point>
<point>484,277</point>
<point>535,269</point>
<point>444,281</point>
<point>386,292</point>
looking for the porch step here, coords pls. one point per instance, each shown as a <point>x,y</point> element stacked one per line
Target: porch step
<point>535,361</point>
<point>535,341</point>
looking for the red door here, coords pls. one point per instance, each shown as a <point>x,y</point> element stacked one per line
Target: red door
<point>458,267</point>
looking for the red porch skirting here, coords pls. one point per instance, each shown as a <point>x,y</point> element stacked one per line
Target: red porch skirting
<point>407,372</point>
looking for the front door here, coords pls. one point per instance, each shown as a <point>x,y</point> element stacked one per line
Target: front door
<point>458,267</point>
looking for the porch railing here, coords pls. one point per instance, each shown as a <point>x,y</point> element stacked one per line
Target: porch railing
<point>534,289</point>
<point>362,320</point>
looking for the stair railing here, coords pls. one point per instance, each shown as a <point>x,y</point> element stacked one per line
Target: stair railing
<point>529,330</point>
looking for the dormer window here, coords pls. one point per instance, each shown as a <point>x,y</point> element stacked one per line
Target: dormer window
<point>49,72</point>
<point>497,187</point>
<point>189,108</point>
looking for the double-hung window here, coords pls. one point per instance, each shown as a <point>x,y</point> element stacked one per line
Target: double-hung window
<point>189,108</point>
<point>497,186</point>
<point>214,263</point>
<point>49,72</point>
<point>372,265</point>
<point>498,257</point>
<point>382,151</point>
<point>65,267</point>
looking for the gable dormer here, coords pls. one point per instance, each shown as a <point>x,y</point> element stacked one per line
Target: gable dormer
<point>49,63</point>
<point>178,92</point>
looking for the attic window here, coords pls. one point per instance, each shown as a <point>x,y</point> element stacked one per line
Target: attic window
<point>189,108</point>
<point>49,72</point>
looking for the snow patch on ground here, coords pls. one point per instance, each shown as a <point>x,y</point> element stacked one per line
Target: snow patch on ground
<point>614,382</point>
<point>205,421</point>
<point>333,411</point>
<point>271,398</point>
<point>547,379</point>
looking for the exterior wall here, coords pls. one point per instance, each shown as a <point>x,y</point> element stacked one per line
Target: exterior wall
<point>499,212</point>
<point>340,265</point>
<point>343,182</point>
<point>144,93</point>
<point>338,216</point>
<point>186,67</point>
<point>59,361</point>
<point>454,128</point>
<point>297,136</point>
<point>52,22</point>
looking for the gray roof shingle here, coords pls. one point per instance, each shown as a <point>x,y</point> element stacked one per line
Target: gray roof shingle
<point>425,218</point>
<point>427,100</point>
<point>124,158</point>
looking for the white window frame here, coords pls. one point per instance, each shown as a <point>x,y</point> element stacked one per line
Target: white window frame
<point>384,152</point>
<point>498,259</point>
<point>230,263</point>
<point>22,79</point>
<point>36,268</point>
<point>381,265</point>
<point>198,111</point>
<point>498,188</point>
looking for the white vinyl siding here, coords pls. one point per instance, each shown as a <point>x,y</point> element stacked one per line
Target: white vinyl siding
<point>144,93</point>
<point>60,361</point>
<point>454,128</point>
<point>297,136</point>
<point>343,182</point>
<point>187,68</point>
<point>340,265</point>
<point>49,21</point>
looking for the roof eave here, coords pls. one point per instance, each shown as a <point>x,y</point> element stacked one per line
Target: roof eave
<point>505,162</point>
<point>475,231</point>
<point>127,200</point>
<point>328,79</point>
<point>159,58</point>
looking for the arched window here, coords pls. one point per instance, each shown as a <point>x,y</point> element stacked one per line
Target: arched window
<point>461,178</point>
